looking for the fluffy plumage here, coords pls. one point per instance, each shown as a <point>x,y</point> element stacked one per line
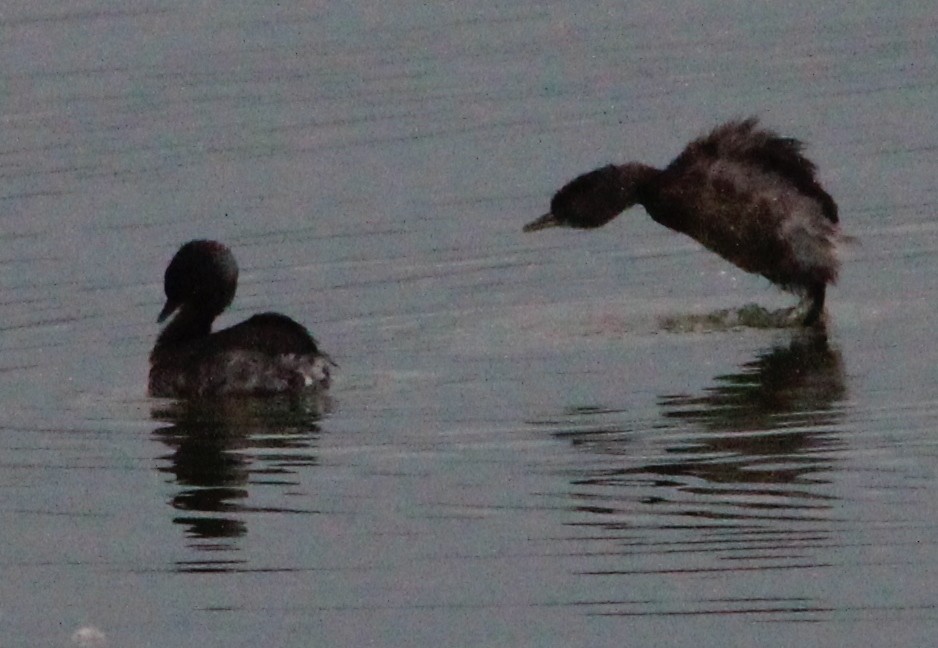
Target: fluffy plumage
<point>741,191</point>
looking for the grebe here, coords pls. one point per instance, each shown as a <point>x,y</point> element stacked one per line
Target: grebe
<point>742,191</point>
<point>266,354</point>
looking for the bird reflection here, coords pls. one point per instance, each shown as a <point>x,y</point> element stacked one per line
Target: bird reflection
<point>762,438</point>
<point>803,379</point>
<point>219,450</point>
<point>733,480</point>
<point>769,418</point>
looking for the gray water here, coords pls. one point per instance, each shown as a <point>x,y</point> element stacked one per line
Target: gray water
<point>519,449</point>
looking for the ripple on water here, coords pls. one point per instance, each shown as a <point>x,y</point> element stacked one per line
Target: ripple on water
<point>749,316</point>
<point>735,480</point>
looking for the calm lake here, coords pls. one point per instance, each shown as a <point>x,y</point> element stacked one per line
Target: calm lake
<point>531,440</point>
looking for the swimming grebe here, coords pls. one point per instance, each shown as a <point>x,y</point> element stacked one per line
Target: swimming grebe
<point>266,354</point>
<point>743,192</point>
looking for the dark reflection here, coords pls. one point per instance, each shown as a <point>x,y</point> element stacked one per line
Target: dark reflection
<point>773,417</point>
<point>798,384</point>
<point>731,480</point>
<point>222,448</point>
<point>778,408</point>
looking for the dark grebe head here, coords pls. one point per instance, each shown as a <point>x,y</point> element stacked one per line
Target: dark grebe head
<point>595,198</point>
<point>203,275</point>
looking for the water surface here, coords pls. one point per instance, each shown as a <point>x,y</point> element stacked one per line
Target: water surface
<point>518,448</point>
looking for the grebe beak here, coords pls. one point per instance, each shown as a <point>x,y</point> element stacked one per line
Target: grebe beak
<point>545,221</point>
<point>167,310</point>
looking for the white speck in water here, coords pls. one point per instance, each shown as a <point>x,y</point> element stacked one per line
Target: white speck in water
<point>89,637</point>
